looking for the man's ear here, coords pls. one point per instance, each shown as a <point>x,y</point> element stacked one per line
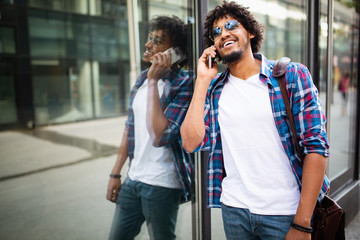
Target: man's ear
<point>251,36</point>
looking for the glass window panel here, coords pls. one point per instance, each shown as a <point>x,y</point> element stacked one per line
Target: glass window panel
<point>7,40</point>
<point>342,111</point>
<point>7,93</point>
<point>39,3</point>
<point>111,82</point>
<point>78,6</point>
<point>285,32</point>
<point>323,36</point>
<point>62,91</point>
<point>77,36</point>
<point>148,10</point>
<point>47,32</point>
<point>115,8</point>
<point>7,1</point>
<point>109,38</point>
<point>112,8</point>
<point>55,34</point>
<point>95,7</point>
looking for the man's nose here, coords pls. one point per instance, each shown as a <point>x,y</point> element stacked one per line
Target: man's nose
<point>224,33</point>
<point>148,44</point>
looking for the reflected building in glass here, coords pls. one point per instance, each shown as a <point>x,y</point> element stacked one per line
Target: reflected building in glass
<point>71,60</point>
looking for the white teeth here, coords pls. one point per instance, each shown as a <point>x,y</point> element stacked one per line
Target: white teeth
<point>227,43</point>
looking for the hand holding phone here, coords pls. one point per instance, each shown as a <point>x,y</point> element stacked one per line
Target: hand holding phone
<point>211,60</point>
<point>176,55</point>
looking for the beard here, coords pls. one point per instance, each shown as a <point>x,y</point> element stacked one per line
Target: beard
<point>232,57</point>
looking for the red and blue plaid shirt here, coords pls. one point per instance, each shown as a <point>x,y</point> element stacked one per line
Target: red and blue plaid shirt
<point>175,101</point>
<point>308,116</point>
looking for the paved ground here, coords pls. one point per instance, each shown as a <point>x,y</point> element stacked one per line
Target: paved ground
<point>53,184</point>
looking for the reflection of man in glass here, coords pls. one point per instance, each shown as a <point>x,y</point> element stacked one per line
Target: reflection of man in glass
<point>158,104</point>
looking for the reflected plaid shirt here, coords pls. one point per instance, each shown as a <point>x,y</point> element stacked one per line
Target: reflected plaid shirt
<point>308,116</point>
<point>175,101</point>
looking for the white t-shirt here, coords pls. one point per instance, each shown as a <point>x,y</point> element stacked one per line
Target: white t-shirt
<point>258,171</point>
<point>151,165</point>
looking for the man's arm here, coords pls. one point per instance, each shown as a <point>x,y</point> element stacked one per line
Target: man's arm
<point>193,128</point>
<point>156,121</point>
<point>313,141</point>
<point>164,125</point>
<point>313,176</point>
<point>115,183</point>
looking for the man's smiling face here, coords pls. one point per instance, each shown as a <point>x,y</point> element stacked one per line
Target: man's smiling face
<point>158,42</point>
<point>231,44</point>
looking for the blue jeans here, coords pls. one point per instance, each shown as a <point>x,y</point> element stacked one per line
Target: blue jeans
<point>138,202</point>
<point>239,223</point>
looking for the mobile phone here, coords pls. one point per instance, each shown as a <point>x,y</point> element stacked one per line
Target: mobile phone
<point>211,61</point>
<point>176,55</point>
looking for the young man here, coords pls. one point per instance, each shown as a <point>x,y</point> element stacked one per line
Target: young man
<point>254,172</point>
<point>158,174</point>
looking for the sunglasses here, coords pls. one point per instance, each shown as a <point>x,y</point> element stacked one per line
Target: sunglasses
<point>155,39</point>
<point>229,26</point>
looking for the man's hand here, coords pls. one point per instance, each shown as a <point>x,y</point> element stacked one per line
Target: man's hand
<point>193,128</point>
<point>160,66</point>
<point>114,186</point>
<point>203,70</point>
<point>294,234</point>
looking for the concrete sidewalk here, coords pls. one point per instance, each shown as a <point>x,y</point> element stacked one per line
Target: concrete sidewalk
<point>54,180</point>
<point>53,183</point>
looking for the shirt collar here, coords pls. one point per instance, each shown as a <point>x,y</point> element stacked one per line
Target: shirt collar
<point>265,71</point>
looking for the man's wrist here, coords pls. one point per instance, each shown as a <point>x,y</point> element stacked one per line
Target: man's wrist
<point>301,228</point>
<point>302,221</point>
<point>153,80</point>
<point>115,175</point>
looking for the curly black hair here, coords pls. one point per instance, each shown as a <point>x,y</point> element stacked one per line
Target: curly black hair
<point>175,29</point>
<point>242,15</point>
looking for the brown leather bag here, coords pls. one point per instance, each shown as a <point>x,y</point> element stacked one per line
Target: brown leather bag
<point>328,221</point>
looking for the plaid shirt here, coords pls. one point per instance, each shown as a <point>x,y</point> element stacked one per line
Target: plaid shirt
<point>308,116</point>
<point>175,101</point>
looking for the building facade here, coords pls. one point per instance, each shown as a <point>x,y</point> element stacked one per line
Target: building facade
<point>63,61</point>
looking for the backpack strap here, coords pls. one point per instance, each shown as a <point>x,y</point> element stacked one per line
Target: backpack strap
<point>279,71</point>
<point>280,67</point>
